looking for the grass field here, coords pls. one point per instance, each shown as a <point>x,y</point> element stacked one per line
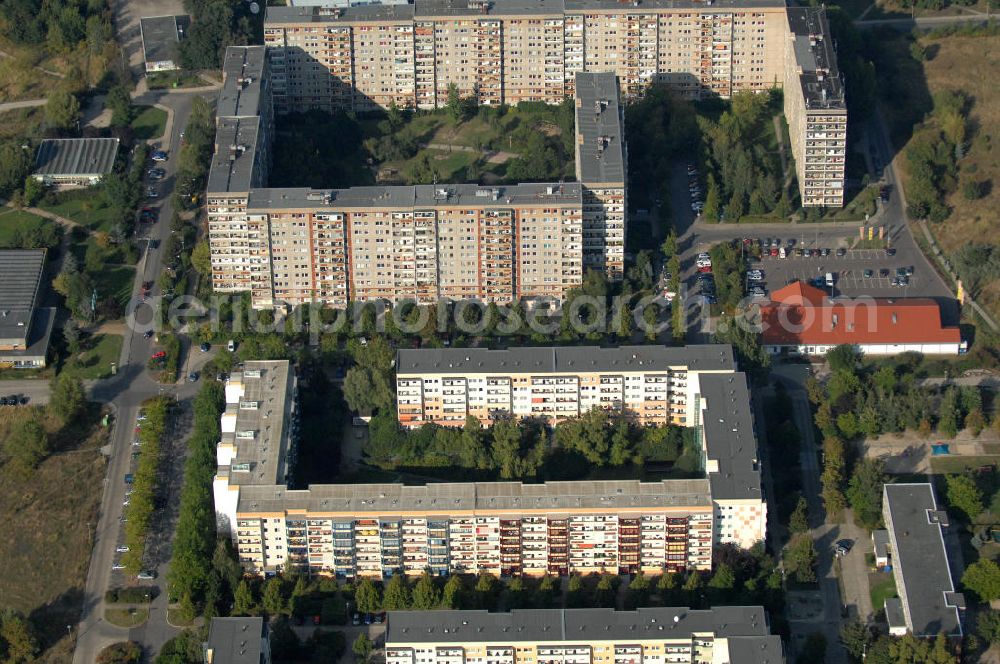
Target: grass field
<point>126,617</point>
<point>173,79</point>
<point>914,84</point>
<point>96,358</point>
<point>882,586</point>
<point>19,80</point>
<point>960,464</point>
<point>150,122</point>
<point>46,526</point>
<point>12,221</point>
<point>86,207</point>
<point>22,123</point>
<point>115,281</point>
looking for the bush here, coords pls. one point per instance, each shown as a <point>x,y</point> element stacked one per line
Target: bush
<point>123,652</point>
<point>131,595</point>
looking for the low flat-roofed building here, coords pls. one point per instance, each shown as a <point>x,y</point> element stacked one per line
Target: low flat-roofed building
<point>68,163</point>
<point>880,544</point>
<point>25,329</point>
<point>237,641</point>
<point>920,566</point>
<point>804,320</point>
<point>161,37</point>
<point>721,635</point>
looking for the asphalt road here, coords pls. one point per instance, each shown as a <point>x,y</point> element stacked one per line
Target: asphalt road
<point>125,392</point>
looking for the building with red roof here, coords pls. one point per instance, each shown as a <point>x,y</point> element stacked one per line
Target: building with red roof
<point>802,319</point>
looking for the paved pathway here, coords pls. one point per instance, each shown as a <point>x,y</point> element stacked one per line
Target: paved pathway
<point>907,24</point>
<point>14,105</point>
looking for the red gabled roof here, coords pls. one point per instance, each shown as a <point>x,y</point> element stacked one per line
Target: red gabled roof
<point>799,314</point>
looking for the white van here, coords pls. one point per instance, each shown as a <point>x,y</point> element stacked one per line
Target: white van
<point>231,346</point>
<point>829,279</point>
<point>782,253</point>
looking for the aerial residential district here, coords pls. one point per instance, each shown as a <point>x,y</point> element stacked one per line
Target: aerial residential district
<point>499,332</point>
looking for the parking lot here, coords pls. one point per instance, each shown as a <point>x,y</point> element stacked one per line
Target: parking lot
<point>856,272</point>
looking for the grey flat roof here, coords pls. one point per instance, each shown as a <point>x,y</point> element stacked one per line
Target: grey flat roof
<point>235,640</point>
<point>729,436</point>
<point>564,359</point>
<point>242,79</point>
<point>265,453</point>
<point>461,8</point>
<point>76,156</point>
<point>20,280</point>
<point>600,139</point>
<point>445,498</point>
<point>816,58</point>
<point>161,37</point>
<point>920,558</point>
<point>575,625</point>
<point>894,612</point>
<point>880,541</point>
<point>418,196</point>
<point>235,158</point>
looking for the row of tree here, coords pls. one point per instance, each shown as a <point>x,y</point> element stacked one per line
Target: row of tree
<point>743,176</point>
<point>203,573</point>
<point>869,400</point>
<point>142,501</point>
<point>522,449</point>
<point>59,25</point>
<point>933,156</point>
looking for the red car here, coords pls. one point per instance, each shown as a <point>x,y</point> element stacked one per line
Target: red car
<point>705,269</point>
<point>159,355</point>
<point>774,251</point>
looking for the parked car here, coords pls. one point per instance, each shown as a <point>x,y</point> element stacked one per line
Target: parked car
<point>117,566</point>
<point>205,347</point>
<point>844,546</point>
<point>869,274</point>
<point>122,549</point>
<point>841,252</point>
<point>146,575</point>
<point>884,273</point>
<point>159,155</point>
<point>159,355</point>
<point>193,377</point>
<point>890,251</point>
<point>147,334</point>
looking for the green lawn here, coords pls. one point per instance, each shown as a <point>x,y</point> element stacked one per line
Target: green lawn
<point>115,281</point>
<point>13,221</point>
<point>86,207</point>
<point>149,123</point>
<point>95,361</point>
<point>960,464</point>
<point>173,79</point>
<point>126,617</point>
<point>883,586</point>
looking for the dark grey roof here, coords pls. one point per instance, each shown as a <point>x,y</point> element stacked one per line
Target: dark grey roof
<point>418,196</point>
<point>76,156</point>
<point>235,640</point>
<point>574,625</point>
<point>564,359</point>
<point>161,37</point>
<point>920,559</point>
<point>816,58</point>
<point>234,162</point>
<point>600,140</point>
<point>894,612</point>
<point>449,497</point>
<point>729,436</point>
<point>242,79</point>
<point>448,8</point>
<point>20,279</point>
<point>880,542</point>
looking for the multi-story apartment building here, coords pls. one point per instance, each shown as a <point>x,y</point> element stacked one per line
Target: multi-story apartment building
<point>652,384</point>
<point>422,243</point>
<point>503,528</point>
<point>721,635</point>
<point>509,51</point>
<point>815,108</point>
